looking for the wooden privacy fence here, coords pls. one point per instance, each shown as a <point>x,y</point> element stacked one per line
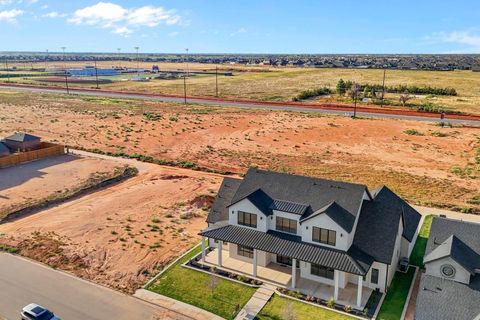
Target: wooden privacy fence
<point>46,150</point>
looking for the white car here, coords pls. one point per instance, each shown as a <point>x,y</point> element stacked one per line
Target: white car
<point>35,312</point>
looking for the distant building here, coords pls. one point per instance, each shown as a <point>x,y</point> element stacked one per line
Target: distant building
<point>22,142</point>
<point>90,71</point>
<point>476,69</point>
<point>4,151</point>
<point>155,69</point>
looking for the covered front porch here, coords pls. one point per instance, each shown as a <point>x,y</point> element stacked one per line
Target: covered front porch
<point>281,275</point>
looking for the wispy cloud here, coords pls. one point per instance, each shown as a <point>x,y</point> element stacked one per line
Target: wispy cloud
<point>53,15</point>
<point>469,39</point>
<point>122,20</point>
<point>173,34</point>
<point>239,31</point>
<point>10,15</point>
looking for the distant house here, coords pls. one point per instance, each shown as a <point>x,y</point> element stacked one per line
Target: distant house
<point>450,287</point>
<point>21,141</point>
<point>4,151</point>
<point>90,71</point>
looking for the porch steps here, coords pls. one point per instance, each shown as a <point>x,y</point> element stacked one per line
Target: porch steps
<point>256,302</point>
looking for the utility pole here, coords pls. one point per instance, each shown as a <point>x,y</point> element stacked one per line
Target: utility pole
<point>138,68</point>
<point>383,86</point>
<point>6,67</point>
<point>185,89</point>
<point>119,61</point>
<point>65,67</point>
<point>96,73</point>
<point>188,71</point>
<point>216,81</point>
<point>46,57</point>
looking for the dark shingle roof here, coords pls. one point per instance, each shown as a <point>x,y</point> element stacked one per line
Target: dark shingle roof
<point>379,221</point>
<point>446,299</point>
<point>336,213</point>
<point>458,251</point>
<point>353,261</point>
<point>4,149</point>
<point>465,248</point>
<point>219,210</point>
<point>261,200</point>
<point>22,137</point>
<point>317,193</point>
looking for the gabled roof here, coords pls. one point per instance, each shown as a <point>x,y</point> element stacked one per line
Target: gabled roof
<point>378,224</point>
<point>261,200</point>
<point>459,239</point>
<point>3,148</point>
<point>22,137</point>
<point>353,261</point>
<point>341,216</point>
<point>456,249</point>
<point>219,209</point>
<point>314,192</point>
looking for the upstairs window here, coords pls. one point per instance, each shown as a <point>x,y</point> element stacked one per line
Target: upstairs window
<point>247,219</point>
<point>286,225</point>
<point>325,236</point>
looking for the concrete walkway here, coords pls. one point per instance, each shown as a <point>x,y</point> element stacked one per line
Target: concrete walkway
<point>256,303</point>
<point>172,304</point>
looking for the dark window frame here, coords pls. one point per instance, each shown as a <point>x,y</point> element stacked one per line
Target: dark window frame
<point>247,219</point>
<point>325,236</point>
<point>245,251</point>
<point>322,271</point>
<point>286,225</point>
<point>374,279</point>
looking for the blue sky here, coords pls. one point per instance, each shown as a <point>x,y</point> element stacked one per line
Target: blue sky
<point>247,26</point>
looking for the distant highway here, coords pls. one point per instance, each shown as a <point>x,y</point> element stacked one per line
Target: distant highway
<point>327,109</point>
<point>23,282</point>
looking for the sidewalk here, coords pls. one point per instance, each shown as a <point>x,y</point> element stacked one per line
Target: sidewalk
<point>172,304</point>
<point>256,303</point>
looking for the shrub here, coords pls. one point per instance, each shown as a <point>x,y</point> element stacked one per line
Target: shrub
<point>306,94</point>
<point>413,132</point>
<point>347,309</point>
<point>152,116</point>
<point>330,302</point>
<point>438,134</point>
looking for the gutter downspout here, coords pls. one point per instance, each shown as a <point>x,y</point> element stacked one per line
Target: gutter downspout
<point>386,279</point>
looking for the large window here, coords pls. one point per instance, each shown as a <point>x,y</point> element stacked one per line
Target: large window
<point>286,225</point>
<point>286,261</point>
<point>322,271</point>
<point>247,219</point>
<point>324,236</point>
<point>374,276</point>
<point>245,251</point>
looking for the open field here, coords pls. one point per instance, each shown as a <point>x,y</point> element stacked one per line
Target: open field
<point>426,164</point>
<point>282,84</point>
<point>121,235</point>
<point>40,181</point>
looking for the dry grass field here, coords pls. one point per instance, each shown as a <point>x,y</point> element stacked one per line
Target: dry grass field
<point>426,164</point>
<point>282,84</point>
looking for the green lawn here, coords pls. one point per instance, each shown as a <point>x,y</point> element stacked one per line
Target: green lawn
<point>392,306</point>
<point>191,287</point>
<point>416,258</point>
<point>276,308</point>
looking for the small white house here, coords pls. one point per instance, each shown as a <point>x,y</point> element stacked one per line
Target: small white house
<point>328,232</point>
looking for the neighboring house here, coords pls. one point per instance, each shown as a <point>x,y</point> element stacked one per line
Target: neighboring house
<point>450,287</point>
<point>22,142</point>
<point>90,71</point>
<point>4,151</point>
<point>329,233</point>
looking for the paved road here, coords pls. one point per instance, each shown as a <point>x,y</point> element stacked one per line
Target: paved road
<point>246,105</point>
<point>23,282</point>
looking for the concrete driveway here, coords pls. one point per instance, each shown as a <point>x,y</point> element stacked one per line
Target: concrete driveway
<point>23,281</point>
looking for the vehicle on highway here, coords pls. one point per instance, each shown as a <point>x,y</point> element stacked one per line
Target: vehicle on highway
<point>35,312</point>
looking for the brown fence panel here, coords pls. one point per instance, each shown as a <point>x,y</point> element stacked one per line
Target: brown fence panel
<point>46,150</point>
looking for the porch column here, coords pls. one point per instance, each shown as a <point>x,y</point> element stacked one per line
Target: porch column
<point>220,247</point>
<point>336,276</point>
<point>294,273</point>
<point>203,249</point>
<point>359,291</point>
<point>254,262</point>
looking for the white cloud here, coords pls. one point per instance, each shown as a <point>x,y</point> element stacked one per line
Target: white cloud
<point>44,7</point>
<point>123,20</point>
<point>239,31</point>
<point>469,39</point>
<point>5,2</point>
<point>173,34</point>
<point>10,15</point>
<point>54,14</point>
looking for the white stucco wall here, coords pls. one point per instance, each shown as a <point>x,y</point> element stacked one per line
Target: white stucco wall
<point>324,221</point>
<point>246,206</point>
<point>461,275</point>
<point>263,258</point>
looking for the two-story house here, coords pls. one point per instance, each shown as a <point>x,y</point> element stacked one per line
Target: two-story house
<point>329,232</point>
<point>450,287</point>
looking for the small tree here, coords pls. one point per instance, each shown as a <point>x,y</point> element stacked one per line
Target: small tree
<point>289,313</point>
<point>404,97</point>
<point>354,91</point>
<point>212,283</point>
<point>341,87</point>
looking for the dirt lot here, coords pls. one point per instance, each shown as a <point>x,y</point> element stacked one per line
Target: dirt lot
<point>119,235</point>
<point>27,184</point>
<point>426,164</point>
